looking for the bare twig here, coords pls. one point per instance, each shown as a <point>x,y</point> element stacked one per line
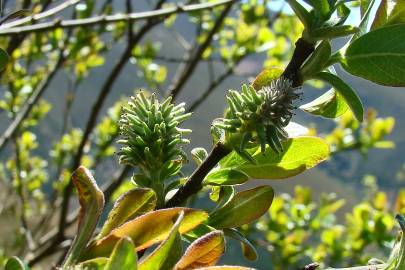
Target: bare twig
<point>106,19</point>
<point>211,87</point>
<point>42,15</point>
<point>184,74</point>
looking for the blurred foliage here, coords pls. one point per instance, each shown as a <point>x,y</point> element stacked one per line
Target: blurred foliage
<point>301,228</point>
<point>38,170</point>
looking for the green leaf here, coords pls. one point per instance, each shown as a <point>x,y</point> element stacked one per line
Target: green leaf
<point>348,94</point>
<point>123,256</point>
<point>227,267</point>
<point>299,154</point>
<point>330,32</point>
<point>199,154</point>
<point>248,249</point>
<point>265,77</point>
<point>203,252</point>
<point>93,264</point>
<point>303,14</point>
<point>225,178</point>
<point>378,56</point>
<point>15,263</point>
<point>129,205</point>
<point>4,58</point>
<point>167,253</point>
<point>321,6</point>
<point>329,105</point>
<point>318,59</point>
<point>243,208</point>
<point>91,201</point>
<point>146,230</point>
<point>365,8</point>
<point>389,12</point>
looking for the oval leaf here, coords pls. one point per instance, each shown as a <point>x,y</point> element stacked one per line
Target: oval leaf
<point>248,249</point>
<point>199,154</point>
<point>205,251</point>
<point>300,154</point>
<point>389,12</point>
<point>265,77</point>
<point>14,263</point>
<point>378,56</point>
<point>318,59</point>
<point>227,177</point>
<point>129,205</point>
<point>243,208</point>
<point>349,95</point>
<point>329,105</point>
<point>167,253</point>
<point>91,201</point>
<point>146,230</point>
<point>330,32</point>
<point>123,256</point>
<point>93,264</point>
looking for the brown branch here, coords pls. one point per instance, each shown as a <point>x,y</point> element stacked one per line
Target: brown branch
<point>194,184</point>
<point>183,75</point>
<point>302,51</point>
<point>211,87</point>
<point>106,19</point>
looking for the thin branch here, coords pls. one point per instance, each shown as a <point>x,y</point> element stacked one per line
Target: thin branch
<point>21,195</point>
<point>211,87</point>
<point>194,183</point>
<point>106,19</point>
<point>96,108</point>
<point>32,100</point>
<point>183,75</point>
<point>40,16</point>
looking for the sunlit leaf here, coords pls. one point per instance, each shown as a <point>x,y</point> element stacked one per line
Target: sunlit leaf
<point>93,264</point>
<point>317,60</point>
<point>333,32</point>
<point>389,12</point>
<point>245,207</point>
<point>225,177</point>
<point>146,230</point>
<point>300,154</point>
<point>378,56</point>
<point>205,251</point>
<point>91,201</point>
<point>348,94</point>
<point>301,12</point>
<point>329,105</point>
<point>266,76</point>
<point>14,263</point>
<point>131,204</point>
<point>123,256</point>
<point>199,154</point>
<point>167,253</point>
